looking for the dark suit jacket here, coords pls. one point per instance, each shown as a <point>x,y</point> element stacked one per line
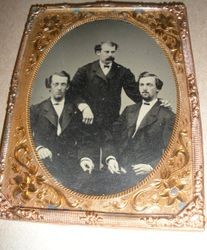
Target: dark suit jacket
<point>151,138</point>
<point>103,93</point>
<point>65,148</point>
<point>148,144</point>
<point>76,141</point>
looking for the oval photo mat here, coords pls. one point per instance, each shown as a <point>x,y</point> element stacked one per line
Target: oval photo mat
<point>137,51</point>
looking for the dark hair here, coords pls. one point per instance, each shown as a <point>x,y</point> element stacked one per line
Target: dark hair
<point>48,80</point>
<point>158,82</point>
<point>98,47</point>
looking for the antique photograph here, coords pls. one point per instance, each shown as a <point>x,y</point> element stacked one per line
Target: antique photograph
<point>103,107</point>
<point>103,122</point>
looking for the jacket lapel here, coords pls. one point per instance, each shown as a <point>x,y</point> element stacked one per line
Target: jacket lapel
<point>132,119</point>
<point>66,116</point>
<point>151,116</point>
<point>113,71</point>
<point>51,116</point>
<point>49,113</point>
<point>98,71</point>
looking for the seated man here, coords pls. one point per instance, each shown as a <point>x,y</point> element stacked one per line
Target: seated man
<point>143,131</point>
<point>55,123</point>
<point>63,142</point>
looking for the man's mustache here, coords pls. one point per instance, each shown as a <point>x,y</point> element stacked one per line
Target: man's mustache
<point>145,92</point>
<point>111,58</point>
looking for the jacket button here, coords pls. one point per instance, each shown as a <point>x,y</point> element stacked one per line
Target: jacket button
<point>58,154</point>
<point>103,99</point>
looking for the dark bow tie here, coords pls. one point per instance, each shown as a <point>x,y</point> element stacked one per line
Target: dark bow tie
<point>146,103</point>
<point>106,66</point>
<point>56,103</point>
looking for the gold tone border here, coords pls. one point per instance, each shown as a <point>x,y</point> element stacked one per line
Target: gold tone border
<point>172,196</point>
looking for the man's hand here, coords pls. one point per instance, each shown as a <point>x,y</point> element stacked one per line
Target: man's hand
<point>87,165</point>
<point>87,113</point>
<point>44,153</point>
<point>142,168</point>
<point>165,103</point>
<point>113,166</point>
<point>88,116</point>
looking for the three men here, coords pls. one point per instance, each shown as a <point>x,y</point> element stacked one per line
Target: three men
<point>69,146</point>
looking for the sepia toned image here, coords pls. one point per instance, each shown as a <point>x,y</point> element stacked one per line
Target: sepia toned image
<point>99,128</point>
<point>103,119</point>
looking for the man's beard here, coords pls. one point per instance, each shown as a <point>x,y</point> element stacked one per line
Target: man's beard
<point>58,99</point>
<point>147,98</point>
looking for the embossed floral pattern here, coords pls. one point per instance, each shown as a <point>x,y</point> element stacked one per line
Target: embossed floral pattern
<point>174,191</point>
<point>167,194</point>
<point>26,185</point>
<point>52,25</point>
<point>91,218</point>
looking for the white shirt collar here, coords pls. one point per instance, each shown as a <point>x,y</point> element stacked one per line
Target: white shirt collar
<point>151,103</point>
<point>143,112</point>
<point>102,64</point>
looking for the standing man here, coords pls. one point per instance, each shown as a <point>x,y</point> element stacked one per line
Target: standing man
<point>96,88</point>
<point>143,131</point>
<point>56,126</point>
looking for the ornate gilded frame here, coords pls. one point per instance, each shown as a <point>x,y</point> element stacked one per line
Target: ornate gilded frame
<point>27,193</point>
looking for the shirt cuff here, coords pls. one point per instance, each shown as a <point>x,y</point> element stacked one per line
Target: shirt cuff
<point>39,147</point>
<point>85,159</point>
<point>110,157</point>
<point>82,106</point>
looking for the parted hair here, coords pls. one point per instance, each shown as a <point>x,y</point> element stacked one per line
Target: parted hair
<point>98,47</point>
<point>48,80</point>
<point>158,82</point>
